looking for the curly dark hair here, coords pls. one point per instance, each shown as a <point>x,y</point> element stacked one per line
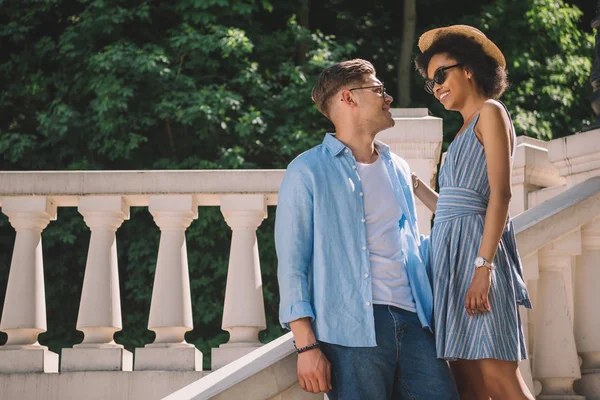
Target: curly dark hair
<point>489,75</point>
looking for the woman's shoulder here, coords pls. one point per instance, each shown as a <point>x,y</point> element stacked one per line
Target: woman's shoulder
<point>492,109</point>
<point>493,114</point>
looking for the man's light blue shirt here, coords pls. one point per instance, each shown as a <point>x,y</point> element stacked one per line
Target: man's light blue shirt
<point>321,241</point>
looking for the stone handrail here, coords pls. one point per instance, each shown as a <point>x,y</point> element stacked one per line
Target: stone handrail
<point>234,373</point>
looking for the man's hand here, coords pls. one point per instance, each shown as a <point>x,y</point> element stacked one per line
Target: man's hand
<point>314,371</point>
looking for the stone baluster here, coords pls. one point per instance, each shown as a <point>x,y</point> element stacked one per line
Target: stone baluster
<point>531,276</point>
<point>244,311</point>
<point>171,306</point>
<point>24,312</point>
<point>556,363</point>
<point>100,307</point>
<point>587,315</point>
<point>417,138</point>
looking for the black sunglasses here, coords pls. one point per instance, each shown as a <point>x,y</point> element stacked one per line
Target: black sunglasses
<point>439,77</point>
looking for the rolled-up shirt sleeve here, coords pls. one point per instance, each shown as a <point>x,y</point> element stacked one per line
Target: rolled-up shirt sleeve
<point>294,237</point>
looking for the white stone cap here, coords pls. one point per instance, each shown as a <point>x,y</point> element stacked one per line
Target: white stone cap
<point>415,135</point>
<point>577,153</point>
<point>409,112</point>
<point>531,164</point>
<point>237,371</point>
<point>412,125</point>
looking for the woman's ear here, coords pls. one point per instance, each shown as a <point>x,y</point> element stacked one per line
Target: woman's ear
<point>468,72</point>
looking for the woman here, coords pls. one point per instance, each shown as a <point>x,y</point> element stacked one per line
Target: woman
<point>476,271</point>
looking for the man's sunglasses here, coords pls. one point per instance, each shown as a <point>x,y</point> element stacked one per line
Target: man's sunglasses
<point>379,89</point>
<point>439,77</point>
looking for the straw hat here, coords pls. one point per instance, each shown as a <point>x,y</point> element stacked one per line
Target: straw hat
<point>427,39</point>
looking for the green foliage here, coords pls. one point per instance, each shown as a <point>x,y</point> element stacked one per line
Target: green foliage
<point>168,85</point>
<point>550,91</point>
<point>220,84</point>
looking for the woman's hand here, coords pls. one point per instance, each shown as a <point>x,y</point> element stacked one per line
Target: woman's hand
<point>476,300</point>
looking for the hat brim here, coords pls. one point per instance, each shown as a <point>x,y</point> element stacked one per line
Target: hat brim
<point>489,47</point>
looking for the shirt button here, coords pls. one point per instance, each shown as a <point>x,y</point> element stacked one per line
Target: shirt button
<point>362,194</point>
<point>368,303</point>
<point>364,247</point>
<point>362,220</point>
<point>345,151</point>
<point>366,276</point>
<point>354,167</point>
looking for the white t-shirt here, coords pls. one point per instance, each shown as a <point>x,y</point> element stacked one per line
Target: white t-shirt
<point>382,214</point>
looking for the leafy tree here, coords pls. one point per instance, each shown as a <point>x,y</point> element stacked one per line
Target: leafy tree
<point>549,97</point>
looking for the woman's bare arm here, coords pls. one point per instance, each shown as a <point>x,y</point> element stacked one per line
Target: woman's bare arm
<point>427,195</point>
<point>493,128</point>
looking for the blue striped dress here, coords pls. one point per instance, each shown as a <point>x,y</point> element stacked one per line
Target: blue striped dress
<point>455,240</point>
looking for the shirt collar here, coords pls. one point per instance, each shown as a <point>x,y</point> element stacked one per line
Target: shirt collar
<point>335,146</point>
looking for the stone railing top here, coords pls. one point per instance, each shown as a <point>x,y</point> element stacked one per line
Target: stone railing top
<point>557,216</point>
<point>526,140</point>
<point>237,371</point>
<point>65,187</point>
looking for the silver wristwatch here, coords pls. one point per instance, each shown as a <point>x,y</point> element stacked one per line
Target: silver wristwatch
<point>482,262</point>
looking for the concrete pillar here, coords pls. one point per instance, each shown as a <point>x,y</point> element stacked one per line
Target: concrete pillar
<point>24,312</point>
<point>244,310</point>
<point>531,171</point>
<point>100,307</point>
<point>417,138</point>
<point>556,363</point>
<point>171,306</point>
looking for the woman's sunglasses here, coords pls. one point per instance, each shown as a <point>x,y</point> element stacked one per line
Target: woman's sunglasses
<point>439,77</point>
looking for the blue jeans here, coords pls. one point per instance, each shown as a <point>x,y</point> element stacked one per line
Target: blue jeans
<point>402,366</point>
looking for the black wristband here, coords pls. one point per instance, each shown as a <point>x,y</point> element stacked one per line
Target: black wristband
<point>315,345</point>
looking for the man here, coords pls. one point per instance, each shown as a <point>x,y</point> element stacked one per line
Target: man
<point>353,285</point>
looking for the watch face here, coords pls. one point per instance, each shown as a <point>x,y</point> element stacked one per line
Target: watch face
<point>479,261</point>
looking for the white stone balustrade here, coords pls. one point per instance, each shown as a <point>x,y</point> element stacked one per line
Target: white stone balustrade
<point>100,307</point>
<point>564,321</point>
<point>244,310</point>
<point>171,306</point>
<point>24,312</point>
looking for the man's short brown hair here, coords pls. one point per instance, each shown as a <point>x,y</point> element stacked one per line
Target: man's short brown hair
<point>333,78</point>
